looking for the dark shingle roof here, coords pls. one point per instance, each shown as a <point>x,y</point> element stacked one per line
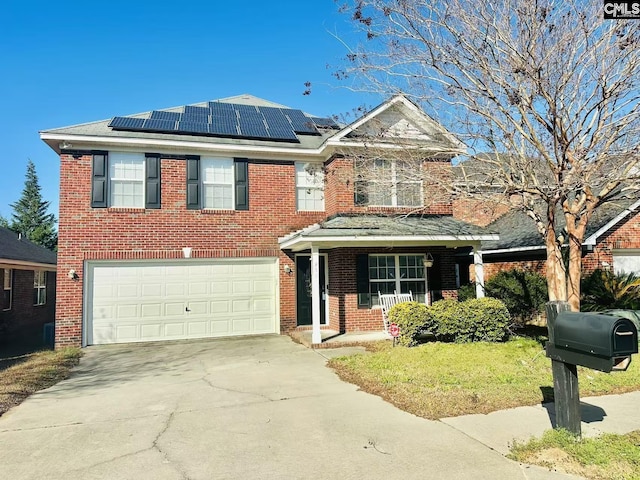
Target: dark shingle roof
<point>379,225</point>
<point>13,248</point>
<point>517,230</point>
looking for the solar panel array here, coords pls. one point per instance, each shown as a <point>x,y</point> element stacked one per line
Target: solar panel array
<point>229,120</point>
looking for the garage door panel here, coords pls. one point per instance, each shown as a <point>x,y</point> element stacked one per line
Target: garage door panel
<point>220,287</point>
<point>126,332</point>
<point>132,302</point>
<point>198,288</point>
<point>151,310</point>
<point>174,329</point>
<point>197,329</point>
<point>198,308</point>
<point>152,290</point>
<point>175,290</point>
<point>220,307</point>
<point>126,311</point>
<point>151,331</point>
<point>241,306</point>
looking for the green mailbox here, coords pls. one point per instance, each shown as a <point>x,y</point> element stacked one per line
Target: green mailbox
<point>593,340</point>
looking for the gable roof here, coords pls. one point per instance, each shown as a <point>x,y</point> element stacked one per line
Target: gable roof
<point>16,250</point>
<point>290,134</point>
<point>381,128</point>
<point>518,232</point>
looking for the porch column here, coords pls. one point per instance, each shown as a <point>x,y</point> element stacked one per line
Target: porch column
<point>479,270</point>
<point>316,336</point>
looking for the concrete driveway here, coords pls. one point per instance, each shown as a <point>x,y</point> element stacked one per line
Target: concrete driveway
<point>247,408</point>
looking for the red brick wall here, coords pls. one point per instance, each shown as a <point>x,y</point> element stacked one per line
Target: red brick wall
<point>339,190</point>
<point>478,212</point>
<point>87,233</point>
<point>24,322</point>
<point>626,235</point>
<point>345,316</point>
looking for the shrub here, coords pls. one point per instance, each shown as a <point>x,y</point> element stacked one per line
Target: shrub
<point>604,290</point>
<point>467,292</point>
<point>411,318</point>
<point>523,292</point>
<point>477,319</point>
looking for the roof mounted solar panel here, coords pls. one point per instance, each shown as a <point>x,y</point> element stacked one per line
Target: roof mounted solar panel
<point>282,133</point>
<point>162,115</point>
<point>222,126</point>
<point>300,122</point>
<point>160,125</point>
<point>127,123</point>
<point>221,109</point>
<point>274,117</point>
<point>196,112</point>
<point>325,122</point>
<point>193,127</point>
<point>254,129</point>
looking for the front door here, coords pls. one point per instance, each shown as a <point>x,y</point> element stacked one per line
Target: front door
<point>303,289</point>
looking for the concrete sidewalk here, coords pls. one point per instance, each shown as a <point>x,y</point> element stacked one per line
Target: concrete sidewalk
<point>259,407</point>
<point>498,430</point>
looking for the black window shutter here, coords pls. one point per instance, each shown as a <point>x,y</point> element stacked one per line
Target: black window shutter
<point>152,181</point>
<point>362,280</point>
<point>241,167</point>
<point>193,183</point>
<point>99,181</point>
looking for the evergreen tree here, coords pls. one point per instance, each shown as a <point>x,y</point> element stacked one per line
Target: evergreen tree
<point>4,222</point>
<point>30,217</point>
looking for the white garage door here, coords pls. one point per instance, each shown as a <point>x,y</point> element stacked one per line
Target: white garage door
<point>626,261</point>
<point>139,302</point>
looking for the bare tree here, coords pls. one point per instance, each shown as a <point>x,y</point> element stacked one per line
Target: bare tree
<point>544,93</point>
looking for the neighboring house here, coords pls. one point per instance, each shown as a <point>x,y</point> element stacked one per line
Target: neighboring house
<point>28,275</point>
<point>241,216</point>
<point>612,241</point>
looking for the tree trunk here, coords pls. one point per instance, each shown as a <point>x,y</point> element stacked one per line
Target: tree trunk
<point>556,274</point>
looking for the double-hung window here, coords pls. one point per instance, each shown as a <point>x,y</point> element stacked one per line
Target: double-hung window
<point>7,289</point>
<point>217,183</point>
<point>396,273</point>
<point>39,287</point>
<point>126,180</point>
<point>389,183</point>
<point>309,187</point>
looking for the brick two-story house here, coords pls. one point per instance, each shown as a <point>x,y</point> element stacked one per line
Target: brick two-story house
<point>241,216</point>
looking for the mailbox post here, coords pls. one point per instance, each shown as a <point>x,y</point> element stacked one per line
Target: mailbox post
<point>566,393</point>
<point>592,340</point>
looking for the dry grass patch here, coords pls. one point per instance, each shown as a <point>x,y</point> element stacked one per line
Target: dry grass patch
<point>36,371</point>
<point>437,380</point>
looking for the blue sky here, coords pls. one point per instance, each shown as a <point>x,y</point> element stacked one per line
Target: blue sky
<point>71,62</point>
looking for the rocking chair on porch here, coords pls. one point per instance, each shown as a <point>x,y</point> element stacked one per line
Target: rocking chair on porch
<point>388,300</point>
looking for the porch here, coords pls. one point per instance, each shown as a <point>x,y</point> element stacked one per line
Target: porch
<point>350,258</point>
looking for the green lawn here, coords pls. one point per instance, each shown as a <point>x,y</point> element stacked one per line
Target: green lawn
<point>437,380</point>
<point>607,457</point>
<point>32,372</point>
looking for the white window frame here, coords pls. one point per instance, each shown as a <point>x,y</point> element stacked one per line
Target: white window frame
<point>40,286</point>
<point>393,184</point>
<point>309,182</point>
<point>125,158</point>
<point>228,171</point>
<point>8,286</point>
<point>398,279</point>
